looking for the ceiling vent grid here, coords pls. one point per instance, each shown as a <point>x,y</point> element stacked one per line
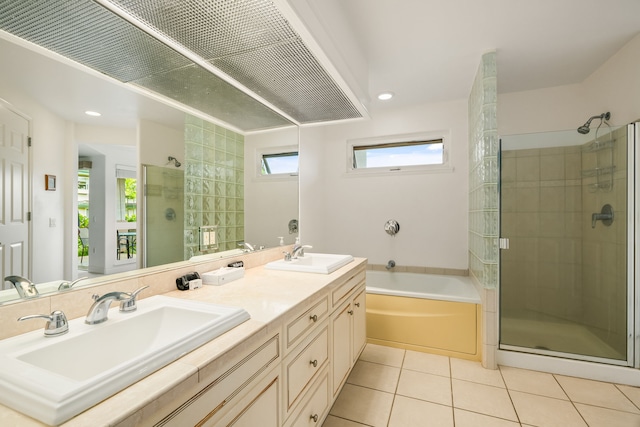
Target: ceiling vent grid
<point>214,28</point>
<point>253,43</point>
<point>198,88</point>
<point>290,77</point>
<point>89,34</point>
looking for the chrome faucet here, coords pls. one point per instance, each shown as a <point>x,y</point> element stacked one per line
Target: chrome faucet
<point>247,246</point>
<point>57,323</point>
<point>68,285</point>
<point>390,264</point>
<point>100,308</point>
<point>25,288</point>
<point>298,250</point>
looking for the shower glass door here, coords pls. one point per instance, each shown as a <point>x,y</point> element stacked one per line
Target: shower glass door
<point>564,287</point>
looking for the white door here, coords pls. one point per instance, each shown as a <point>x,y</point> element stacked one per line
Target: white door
<point>14,190</point>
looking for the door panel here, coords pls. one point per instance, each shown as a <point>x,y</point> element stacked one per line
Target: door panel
<point>14,185</point>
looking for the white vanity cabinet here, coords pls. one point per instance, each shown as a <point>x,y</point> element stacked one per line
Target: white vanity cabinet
<point>348,326</point>
<point>306,353</point>
<point>349,336</point>
<point>322,344</point>
<point>241,385</point>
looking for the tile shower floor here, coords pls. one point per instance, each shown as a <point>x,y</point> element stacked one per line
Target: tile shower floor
<point>390,387</point>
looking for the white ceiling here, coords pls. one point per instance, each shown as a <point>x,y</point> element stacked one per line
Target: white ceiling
<point>429,50</point>
<point>422,50</point>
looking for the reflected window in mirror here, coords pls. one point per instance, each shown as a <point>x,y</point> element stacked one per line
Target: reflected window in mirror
<point>280,163</point>
<point>277,162</point>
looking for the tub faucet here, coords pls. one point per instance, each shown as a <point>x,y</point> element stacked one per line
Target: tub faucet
<point>298,250</point>
<point>25,288</point>
<point>390,264</point>
<point>100,308</point>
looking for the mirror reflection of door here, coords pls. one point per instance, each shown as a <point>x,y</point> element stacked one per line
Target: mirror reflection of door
<point>84,180</point>
<point>14,186</point>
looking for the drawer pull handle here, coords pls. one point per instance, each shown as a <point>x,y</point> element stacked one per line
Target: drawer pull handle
<point>314,417</point>
<point>357,304</point>
<point>314,362</point>
<point>350,312</point>
<point>314,318</point>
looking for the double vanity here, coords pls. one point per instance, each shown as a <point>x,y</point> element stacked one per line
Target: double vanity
<point>273,348</point>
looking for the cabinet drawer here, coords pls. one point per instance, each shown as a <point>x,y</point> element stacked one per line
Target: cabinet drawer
<point>339,293</point>
<point>314,406</point>
<point>306,321</point>
<point>219,393</point>
<point>301,368</point>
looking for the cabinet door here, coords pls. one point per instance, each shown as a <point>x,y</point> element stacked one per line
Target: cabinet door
<point>262,411</point>
<point>341,346</point>
<point>359,324</point>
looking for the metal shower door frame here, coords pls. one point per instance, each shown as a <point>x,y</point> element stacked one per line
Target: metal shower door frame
<point>633,266</point>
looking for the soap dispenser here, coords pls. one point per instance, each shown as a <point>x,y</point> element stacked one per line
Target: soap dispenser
<point>281,241</point>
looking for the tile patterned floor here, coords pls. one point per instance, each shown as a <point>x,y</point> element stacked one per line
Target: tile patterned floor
<point>390,387</point>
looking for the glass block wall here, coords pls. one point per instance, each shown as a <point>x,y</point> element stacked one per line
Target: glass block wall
<point>483,174</point>
<point>213,184</point>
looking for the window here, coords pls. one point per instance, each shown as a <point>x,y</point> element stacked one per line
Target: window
<point>277,162</point>
<point>280,163</point>
<point>398,153</point>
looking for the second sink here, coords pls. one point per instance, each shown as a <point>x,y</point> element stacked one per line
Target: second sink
<point>312,263</point>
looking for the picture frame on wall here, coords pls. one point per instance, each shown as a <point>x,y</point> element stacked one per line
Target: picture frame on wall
<point>50,182</point>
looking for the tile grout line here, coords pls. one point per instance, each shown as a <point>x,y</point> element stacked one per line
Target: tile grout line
<point>625,395</point>
<point>570,400</point>
<point>453,408</point>
<point>395,391</point>
<point>510,398</point>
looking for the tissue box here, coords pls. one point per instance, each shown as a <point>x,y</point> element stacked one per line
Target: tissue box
<point>222,276</point>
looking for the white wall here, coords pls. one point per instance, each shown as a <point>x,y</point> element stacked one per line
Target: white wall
<point>269,204</point>
<point>346,214</point>
<point>614,87</point>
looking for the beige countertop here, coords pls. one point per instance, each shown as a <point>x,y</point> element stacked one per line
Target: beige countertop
<point>265,294</point>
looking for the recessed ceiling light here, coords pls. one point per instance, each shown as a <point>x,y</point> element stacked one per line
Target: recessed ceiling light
<point>385,96</point>
<point>92,113</point>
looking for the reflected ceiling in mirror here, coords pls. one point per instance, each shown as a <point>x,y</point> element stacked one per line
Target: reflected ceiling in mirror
<point>245,53</point>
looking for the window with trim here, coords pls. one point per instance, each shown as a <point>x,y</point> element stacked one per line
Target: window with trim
<point>402,152</point>
<point>279,163</point>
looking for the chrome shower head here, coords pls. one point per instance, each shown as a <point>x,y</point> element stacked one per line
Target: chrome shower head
<point>584,129</point>
<point>175,161</point>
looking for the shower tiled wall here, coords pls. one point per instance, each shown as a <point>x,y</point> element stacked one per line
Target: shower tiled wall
<point>604,251</point>
<point>483,199</point>
<point>559,266</point>
<point>214,184</point>
<point>542,217</point>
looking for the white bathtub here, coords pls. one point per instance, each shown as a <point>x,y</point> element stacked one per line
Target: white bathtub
<point>424,312</point>
<point>429,286</point>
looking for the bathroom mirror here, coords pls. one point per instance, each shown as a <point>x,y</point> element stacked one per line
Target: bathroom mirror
<point>42,78</point>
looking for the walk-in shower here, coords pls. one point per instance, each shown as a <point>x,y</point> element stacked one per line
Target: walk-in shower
<point>565,284</point>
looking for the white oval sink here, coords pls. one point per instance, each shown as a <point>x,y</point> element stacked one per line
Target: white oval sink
<point>312,263</point>
<point>53,379</point>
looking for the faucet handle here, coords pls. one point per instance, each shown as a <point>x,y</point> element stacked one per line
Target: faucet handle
<point>129,304</point>
<point>287,255</point>
<point>57,323</point>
